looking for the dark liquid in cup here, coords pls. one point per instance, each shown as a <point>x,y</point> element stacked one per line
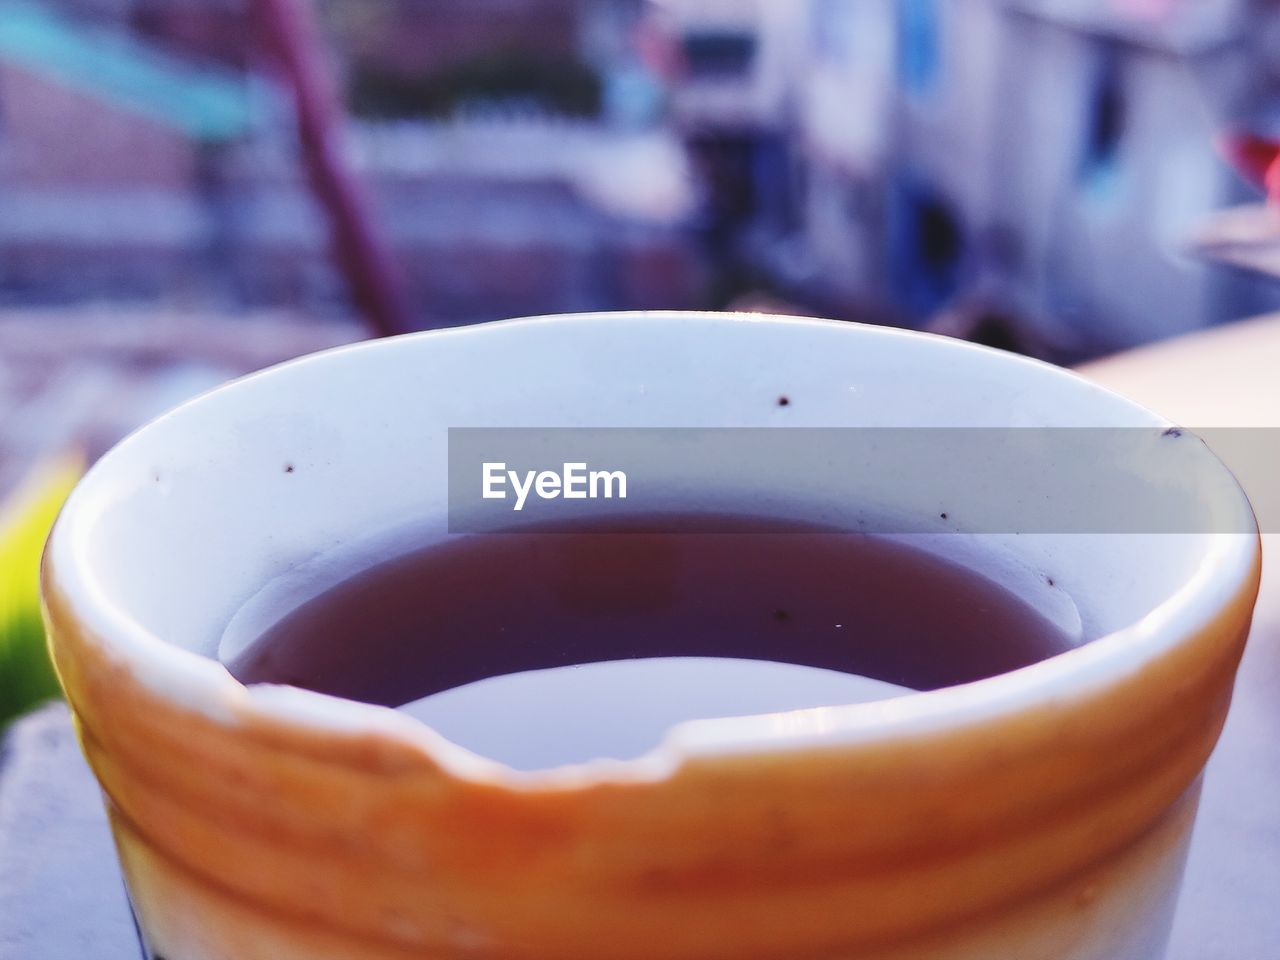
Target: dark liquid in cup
<point>436,617</point>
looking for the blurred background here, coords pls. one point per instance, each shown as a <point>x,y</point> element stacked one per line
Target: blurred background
<point>1044,165</point>
<point>191,189</point>
<point>885,160</point>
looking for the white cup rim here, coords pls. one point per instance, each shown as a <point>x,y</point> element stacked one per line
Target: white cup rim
<point>201,684</point>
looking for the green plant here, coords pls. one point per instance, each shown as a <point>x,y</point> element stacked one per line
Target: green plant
<point>26,674</point>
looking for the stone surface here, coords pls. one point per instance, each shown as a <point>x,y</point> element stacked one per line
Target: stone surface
<point>61,896</point>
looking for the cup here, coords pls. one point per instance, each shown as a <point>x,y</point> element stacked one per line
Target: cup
<point>1043,813</point>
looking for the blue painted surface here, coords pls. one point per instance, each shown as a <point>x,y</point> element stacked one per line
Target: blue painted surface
<point>918,44</point>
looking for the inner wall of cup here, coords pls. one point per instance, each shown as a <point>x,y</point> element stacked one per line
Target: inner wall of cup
<point>195,514</point>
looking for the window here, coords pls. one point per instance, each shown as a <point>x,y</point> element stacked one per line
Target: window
<point>719,54</point>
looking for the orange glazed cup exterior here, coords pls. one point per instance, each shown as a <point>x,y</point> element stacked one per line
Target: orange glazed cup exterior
<point>1039,815</point>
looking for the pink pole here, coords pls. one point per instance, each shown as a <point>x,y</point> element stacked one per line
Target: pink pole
<point>294,40</point>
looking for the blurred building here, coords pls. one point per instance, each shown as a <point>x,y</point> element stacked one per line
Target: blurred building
<point>1100,200</point>
<point>1040,164</point>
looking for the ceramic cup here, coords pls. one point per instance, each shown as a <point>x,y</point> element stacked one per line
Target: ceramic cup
<point>1042,814</point>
